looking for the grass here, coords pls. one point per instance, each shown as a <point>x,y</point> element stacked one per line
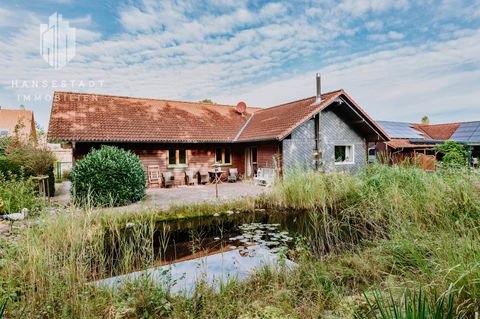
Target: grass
<point>388,243</point>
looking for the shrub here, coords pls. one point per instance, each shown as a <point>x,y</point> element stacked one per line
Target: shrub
<point>108,176</point>
<point>17,193</point>
<point>34,160</point>
<point>4,143</point>
<point>454,154</point>
<point>9,168</point>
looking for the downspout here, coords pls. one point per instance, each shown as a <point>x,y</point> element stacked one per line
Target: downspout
<point>469,158</point>
<point>317,152</point>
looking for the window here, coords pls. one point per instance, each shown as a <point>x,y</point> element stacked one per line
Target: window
<point>177,157</point>
<point>223,156</point>
<point>172,157</point>
<point>182,156</point>
<point>227,157</point>
<point>343,154</point>
<point>218,155</point>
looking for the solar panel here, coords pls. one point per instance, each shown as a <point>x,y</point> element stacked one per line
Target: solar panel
<point>467,132</point>
<point>400,130</point>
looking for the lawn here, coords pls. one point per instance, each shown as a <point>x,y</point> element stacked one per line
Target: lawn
<point>380,235</point>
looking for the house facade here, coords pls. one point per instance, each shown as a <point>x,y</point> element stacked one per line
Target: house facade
<point>327,132</point>
<point>413,139</point>
<point>18,123</point>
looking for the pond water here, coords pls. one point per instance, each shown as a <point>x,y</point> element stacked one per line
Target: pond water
<point>216,249</point>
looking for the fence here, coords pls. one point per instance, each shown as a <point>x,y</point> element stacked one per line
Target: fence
<point>426,162</point>
<point>61,169</point>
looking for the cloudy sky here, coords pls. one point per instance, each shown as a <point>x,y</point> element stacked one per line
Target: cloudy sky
<point>399,59</point>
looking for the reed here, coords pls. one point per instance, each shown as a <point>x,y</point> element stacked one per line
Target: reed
<point>374,234</point>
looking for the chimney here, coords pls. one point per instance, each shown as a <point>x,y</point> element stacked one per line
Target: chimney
<point>319,89</point>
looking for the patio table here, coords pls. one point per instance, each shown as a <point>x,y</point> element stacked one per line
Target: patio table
<point>217,176</point>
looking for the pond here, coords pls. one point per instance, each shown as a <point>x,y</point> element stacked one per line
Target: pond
<point>218,248</point>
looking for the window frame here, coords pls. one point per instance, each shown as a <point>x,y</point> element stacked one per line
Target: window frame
<point>222,153</point>
<point>352,148</point>
<point>177,158</point>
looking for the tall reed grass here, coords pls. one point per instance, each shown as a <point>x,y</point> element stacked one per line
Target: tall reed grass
<point>380,232</point>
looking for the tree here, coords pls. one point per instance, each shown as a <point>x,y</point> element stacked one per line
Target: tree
<point>454,154</point>
<point>425,120</point>
<point>40,132</point>
<point>207,101</point>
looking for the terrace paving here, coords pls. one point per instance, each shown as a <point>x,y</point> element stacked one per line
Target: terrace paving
<point>162,198</point>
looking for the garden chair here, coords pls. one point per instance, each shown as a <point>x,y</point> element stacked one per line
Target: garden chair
<point>190,177</point>
<point>204,176</point>
<point>232,175</point>
<point>153,175</point>
<point>168,179</point>
<point>265,176</point>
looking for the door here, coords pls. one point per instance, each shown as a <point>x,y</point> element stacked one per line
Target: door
<point>250,162</point>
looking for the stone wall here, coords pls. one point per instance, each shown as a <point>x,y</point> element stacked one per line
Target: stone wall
<point>299,147</point>
<point>335,131</point>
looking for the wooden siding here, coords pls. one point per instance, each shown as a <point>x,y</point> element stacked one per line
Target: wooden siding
<point>198,155</point>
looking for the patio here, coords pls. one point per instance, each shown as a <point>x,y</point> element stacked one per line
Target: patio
<point>164,197</point>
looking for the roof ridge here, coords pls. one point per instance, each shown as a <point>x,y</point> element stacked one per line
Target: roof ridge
<point>16,110</point>
<point>300,100</point>
<point>146,98</point>
<point>403,122</point>
<point>450,123</point>
<point>243,128</point>
<point>318,108</point>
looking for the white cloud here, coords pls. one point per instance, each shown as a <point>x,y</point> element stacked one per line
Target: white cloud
<point>374,25</point>
<point>438,79</point>
<point>360,7</point>
<point>391,35</point>
<point>178,52</point>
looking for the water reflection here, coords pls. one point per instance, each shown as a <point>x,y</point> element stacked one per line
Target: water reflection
<point>255,245</point>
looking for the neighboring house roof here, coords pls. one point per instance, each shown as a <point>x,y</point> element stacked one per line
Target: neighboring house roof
<point>20,122</point>
<point>92,117</point>
<point>438,131</point>
<point>413,135</point>
<point>407,143</point>
<point>400,130</point>
<point>468,132</point>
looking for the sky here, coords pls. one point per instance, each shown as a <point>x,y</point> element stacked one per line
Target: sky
<point>398,59</point>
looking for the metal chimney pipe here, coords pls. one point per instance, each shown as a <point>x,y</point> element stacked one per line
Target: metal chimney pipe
<point>319,89</point>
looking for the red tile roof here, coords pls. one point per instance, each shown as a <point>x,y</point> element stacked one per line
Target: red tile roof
<point>91,117</point>
<point>278,121</point>
<point>438,131</point>
<point>94,117</point>
<point>405,143</point>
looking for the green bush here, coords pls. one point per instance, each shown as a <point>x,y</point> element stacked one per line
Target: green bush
<point>4,143</point>
<point>9,168</point>
<point>32,160</point>
<point>108,176</point>
<point>454,154</point>
<point>17,193</point>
